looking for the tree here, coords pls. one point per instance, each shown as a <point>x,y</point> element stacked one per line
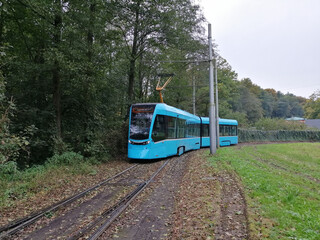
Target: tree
<point>249,104</point>
<point>268,103</point>
<point>150,26</point>
<point>312,106</point>
<point>227,87</point>
<point>71,66</point>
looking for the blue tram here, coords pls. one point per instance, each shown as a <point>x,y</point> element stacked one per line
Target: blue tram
<point>228,132</point>
<point>157,130</point>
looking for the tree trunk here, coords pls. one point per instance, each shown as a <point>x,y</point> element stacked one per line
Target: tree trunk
<point>140,76</point>
<point>57,97</point>
<point>131,74</point>
<point>134,51</point>
<point>56,71</point>
<point>1,25</point>
<point>90,29</point>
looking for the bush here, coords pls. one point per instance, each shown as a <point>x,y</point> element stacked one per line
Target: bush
<point>67,158</point>
<point>273,136</point>
<point>268,124</point>
<point>116,139</point>
<point>8,168</point>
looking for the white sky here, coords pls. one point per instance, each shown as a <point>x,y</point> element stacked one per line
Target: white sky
<point>275,43</point>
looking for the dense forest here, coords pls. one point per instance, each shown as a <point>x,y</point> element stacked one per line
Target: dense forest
<point>70,69</point>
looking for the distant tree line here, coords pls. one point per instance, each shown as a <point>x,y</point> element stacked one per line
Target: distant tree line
<point>70,70</point>
<point>246,101</point>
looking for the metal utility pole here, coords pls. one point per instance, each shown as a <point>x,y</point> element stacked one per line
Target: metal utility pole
<point>212,119</point>
<point>194,95</point>
<point>217,101</point>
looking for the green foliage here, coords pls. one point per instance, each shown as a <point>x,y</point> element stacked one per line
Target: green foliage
<point>11,146</point>
<point>280,187</point>
<point>8,168</point>
<point>241,118</point>
<point>312,106</point>
<point>74,73</point>
<point>60,147</point>
<point>66,158</point>
<point>268,124</point>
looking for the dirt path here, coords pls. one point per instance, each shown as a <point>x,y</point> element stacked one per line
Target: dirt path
<point>210,204</point>
<point>232,217</point>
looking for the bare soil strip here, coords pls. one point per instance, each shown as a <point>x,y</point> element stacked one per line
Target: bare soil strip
<point>233,217</point>
<point>210,205</point>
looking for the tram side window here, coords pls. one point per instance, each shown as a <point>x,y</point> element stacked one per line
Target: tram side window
<point>196,130</point>
<point>224,130</point>
<point>159,129</point>
<point>193,130</point>
<point>228,130</point>
<point>181,128</point>
<point>234,131</point>
<point>171,127</point>
<point>205,130</point>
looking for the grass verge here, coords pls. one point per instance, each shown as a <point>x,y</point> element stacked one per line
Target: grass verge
<point>28,190</point>
<point>282,187</point>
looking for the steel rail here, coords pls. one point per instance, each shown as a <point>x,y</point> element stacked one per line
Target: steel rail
<point>15,226</point>
<point>108,216</point>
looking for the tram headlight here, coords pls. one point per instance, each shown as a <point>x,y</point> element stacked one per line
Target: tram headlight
<point>138,143</point>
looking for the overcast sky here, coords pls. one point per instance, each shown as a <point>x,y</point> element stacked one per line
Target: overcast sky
<point>275,43</point>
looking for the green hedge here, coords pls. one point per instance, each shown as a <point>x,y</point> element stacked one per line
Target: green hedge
<point>280,135</point>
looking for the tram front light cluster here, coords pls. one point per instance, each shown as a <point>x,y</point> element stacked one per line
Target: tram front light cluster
<point>139,143</point>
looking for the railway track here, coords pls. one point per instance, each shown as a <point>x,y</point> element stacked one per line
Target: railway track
<point>15,226</point>
<point>31,227</point>
<point>93,230</point>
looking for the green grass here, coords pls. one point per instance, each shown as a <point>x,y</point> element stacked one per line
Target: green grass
<point>282,185</point>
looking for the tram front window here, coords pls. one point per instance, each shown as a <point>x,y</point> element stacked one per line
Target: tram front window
<point>141,118</point>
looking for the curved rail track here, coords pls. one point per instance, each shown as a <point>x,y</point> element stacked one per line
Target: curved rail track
<point>97,225</point>
<point>93,230</point>
<point>19,224</point>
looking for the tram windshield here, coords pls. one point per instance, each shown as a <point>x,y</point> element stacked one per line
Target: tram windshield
<point>141,117</point>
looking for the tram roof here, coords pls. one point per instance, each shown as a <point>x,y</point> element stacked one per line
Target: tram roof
<point>221,121</point>
<point>165,107</point>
